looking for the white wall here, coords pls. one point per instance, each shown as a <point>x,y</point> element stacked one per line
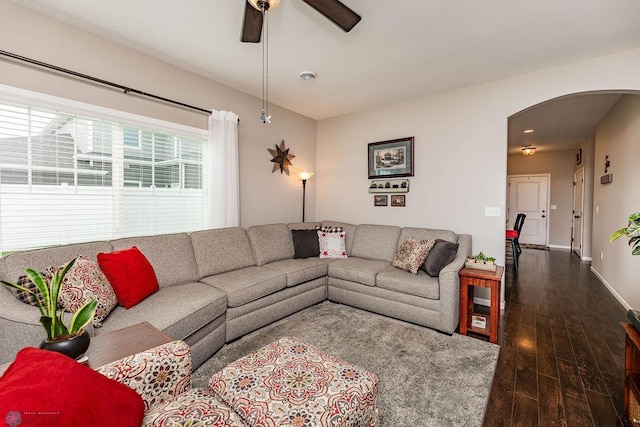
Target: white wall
<point>618,136</point>
<point>264,197</point>
<point>461,149</point>
<point>559,164</point>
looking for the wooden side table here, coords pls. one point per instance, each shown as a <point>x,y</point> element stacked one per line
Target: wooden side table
<point>631,415</point>
<point>111,346</point>
<point>115,345</point>
<point>470,277</point>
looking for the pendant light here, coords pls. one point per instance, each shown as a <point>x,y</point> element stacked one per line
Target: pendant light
<point>528,150</point>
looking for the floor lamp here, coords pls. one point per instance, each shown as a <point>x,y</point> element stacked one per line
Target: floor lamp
<point>304,176</point>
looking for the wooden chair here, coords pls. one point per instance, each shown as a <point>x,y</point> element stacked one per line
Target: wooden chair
<point>513,237</point>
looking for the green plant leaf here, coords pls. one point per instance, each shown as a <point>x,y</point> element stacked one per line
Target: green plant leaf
<point>83,316</point>
<point>43,288</point>
<point>617,234</point>
<point>47,323</point>
<point>636,250</point>
<point>59,327</point>
<point>633,230</point>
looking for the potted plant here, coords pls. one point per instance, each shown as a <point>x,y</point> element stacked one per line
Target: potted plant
<point>632,232</point>
<point>481,261</point>
<point>71,340</point>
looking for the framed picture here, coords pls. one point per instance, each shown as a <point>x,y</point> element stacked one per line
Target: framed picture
<point>389,159</point>
<point>578,156</point>
<point>398,200</point>
<point>380,200</point>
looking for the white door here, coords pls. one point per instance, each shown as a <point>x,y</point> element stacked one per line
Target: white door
<point>578,200</point>
<point>528,195</point>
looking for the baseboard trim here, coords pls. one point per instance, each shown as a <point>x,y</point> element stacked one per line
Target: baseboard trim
<point>610,288</point>
<point>568,248</point>
<point>586,258</point>
<point>485,302</point>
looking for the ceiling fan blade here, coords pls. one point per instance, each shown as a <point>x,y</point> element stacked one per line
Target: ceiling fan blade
<point>337,12</point>
<point>252,26</point>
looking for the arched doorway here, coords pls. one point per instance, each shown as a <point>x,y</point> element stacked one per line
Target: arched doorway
<point>562,132</point>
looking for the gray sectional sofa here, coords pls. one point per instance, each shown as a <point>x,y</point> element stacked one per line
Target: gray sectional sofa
<point>217,285</point>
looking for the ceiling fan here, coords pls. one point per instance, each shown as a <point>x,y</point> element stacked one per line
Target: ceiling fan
<point>333,10</point>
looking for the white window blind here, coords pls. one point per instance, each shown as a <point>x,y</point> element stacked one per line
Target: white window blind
<point>67,178</point>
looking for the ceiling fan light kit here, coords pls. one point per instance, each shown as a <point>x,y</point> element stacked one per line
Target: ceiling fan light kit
<point>267,4</point>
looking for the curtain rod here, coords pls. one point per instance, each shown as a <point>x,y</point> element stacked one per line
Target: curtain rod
<point>125,89</point>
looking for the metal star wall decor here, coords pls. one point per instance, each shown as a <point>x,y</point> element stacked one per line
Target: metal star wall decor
<point>281,158</point>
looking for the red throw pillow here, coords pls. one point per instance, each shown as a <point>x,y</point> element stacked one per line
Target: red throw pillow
<point>46,388</point>
<point>130,274</point>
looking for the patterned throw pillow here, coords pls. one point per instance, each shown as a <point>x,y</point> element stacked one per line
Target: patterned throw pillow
<point>332,245</point>
<point>25,282</point>
<point>412,253</point>
<point>328,229</point>
<point>86,281</point>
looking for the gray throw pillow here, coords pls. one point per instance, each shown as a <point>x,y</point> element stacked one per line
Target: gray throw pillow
<point>305,243</point>
<point>441,255</point>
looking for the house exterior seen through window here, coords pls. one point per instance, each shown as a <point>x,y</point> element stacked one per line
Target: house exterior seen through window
<point>66,178</point>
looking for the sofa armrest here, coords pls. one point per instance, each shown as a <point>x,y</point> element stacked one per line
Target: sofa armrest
<point>450,285</point>
<point>464,250</point>
<point>158,374</point>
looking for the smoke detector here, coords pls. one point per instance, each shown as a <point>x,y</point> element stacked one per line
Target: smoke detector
<point>308,75</point>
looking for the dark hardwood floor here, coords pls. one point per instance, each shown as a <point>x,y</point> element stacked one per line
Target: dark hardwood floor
<point>562,349</point>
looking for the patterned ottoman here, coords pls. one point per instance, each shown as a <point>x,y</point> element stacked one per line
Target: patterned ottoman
<point>292,383</point>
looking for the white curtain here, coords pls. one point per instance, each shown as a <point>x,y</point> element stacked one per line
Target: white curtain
<point>221,179</point>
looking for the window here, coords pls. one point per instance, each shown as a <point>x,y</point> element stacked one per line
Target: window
<point>67,177</point>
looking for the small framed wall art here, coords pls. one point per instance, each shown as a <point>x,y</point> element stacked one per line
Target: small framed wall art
<point>398,200</point>
<point>391,159</point>
<point>578,156</point>
<point>380,200</point>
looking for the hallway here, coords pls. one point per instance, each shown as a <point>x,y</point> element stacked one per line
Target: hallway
<point>562,348</point>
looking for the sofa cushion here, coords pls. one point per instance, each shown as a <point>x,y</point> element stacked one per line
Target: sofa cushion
<point>47,388</point>
<point>299,270</point>
<point>441,255</point>
<point>349,229</point>
<point>247,284</point>
<point>39,259</point>
<point>358,270</point>
<point>221,250</point>
<point>377,242</point>
<point>305,244</point>
<point>84,282</point>
<point>180,314</point>
<point>428,234</point>
<point>130,274</point>
<point>420,285</point>
<point>411,254</point>
<point>271,242</point>
<point>332,245</point>
<point>171,256</point>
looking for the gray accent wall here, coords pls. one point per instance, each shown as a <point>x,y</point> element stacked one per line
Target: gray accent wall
<point>618,136</point>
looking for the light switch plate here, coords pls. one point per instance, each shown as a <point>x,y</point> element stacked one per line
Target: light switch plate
<point>491,211</point>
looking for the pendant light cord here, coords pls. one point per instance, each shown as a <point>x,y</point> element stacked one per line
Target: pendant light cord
<point>265,65</point>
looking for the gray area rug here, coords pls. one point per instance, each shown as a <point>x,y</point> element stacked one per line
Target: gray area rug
<point>426,378</point>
